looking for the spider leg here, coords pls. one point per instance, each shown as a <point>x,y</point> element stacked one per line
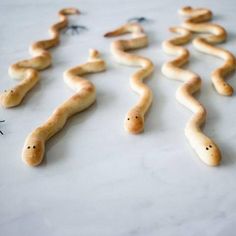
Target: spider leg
<point>141,19</point>
<point>2,120</point>
<point>82,27</point>
<point>137,19</point>
<point>1,132</point>
<point>133,19</point>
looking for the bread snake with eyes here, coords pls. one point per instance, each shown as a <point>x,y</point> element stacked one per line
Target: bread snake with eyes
<point>134,120</point>
<point>28,70</point>
<point>85,96</point>
<point>204,146</point>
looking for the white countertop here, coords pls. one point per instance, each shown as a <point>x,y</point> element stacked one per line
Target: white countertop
<point>96,179</point>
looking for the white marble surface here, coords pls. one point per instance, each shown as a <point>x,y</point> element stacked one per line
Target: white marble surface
<point>97,180</point>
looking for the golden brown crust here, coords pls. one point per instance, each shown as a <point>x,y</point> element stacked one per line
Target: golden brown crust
<point>33,150</point>
<point>134,120</point>
<point>206,149</point>
<point>197,22</point>
<point>27,70</point>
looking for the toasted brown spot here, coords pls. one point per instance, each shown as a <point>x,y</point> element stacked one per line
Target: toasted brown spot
<point>89,88</point>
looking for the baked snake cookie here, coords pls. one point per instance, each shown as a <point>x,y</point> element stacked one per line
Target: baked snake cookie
<point>28,70</point>
<point>34,147</point>
<point>206,149</point>
<point>197,22</point>
<point>134,120</point>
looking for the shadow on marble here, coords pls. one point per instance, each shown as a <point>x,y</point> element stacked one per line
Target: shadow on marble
<point>75,121</point>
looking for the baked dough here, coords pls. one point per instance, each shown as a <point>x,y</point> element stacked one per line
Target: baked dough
<point>27,70</point>
<point>134,120</point>
<point>206,149</point>
<point>33,150</point>
<point>196,22</point>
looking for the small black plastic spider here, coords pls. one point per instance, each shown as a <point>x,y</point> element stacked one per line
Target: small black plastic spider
<point>75,29</point>
<point>138,19</point>
<point>0,130</point>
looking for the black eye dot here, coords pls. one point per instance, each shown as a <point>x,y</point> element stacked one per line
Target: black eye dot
<point>34,147</point>
<point>210,146</point>
<point>207,148</point>
<point>28,147</point>
<point>11,91</point>
<point>136,117</point>
<point>128,119</point>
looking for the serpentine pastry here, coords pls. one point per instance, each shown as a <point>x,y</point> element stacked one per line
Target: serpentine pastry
<point>206,149</point>
<point>27,70</point>
<point>134,121</point>
<point>84,97</point>
<point>196,22</point>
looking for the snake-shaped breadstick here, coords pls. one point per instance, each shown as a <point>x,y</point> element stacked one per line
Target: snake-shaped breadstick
<point>27,70</point>
<point>84,97</point>
<point>206,149</point>
<point>134,121</point>
<point>197,23</point>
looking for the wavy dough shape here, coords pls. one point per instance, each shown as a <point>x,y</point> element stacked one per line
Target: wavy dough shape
<point>134,121</point>
<point>27,70</point>
<point>85,96</point>
<point>197,23</point>
<point>206,149</point>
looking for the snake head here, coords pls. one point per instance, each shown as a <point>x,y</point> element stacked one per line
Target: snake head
<point>224,89</point>
<point>209,153</point>
<point>33,151</point>
<point>134,121</point>
<point>10,98</point>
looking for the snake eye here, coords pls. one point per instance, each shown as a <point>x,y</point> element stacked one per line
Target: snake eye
<point>128,119</point>
<point>11,91</point>
<point>28,147</point>
<point>34,147</point>
<point>207,148</point>
<point>210,146</point>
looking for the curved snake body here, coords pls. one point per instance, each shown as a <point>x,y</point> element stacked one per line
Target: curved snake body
<point>196,22</point>
<point>27,70</point>
<point>84,97</point>
<point>206,149</point>
<point>134,121</point>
